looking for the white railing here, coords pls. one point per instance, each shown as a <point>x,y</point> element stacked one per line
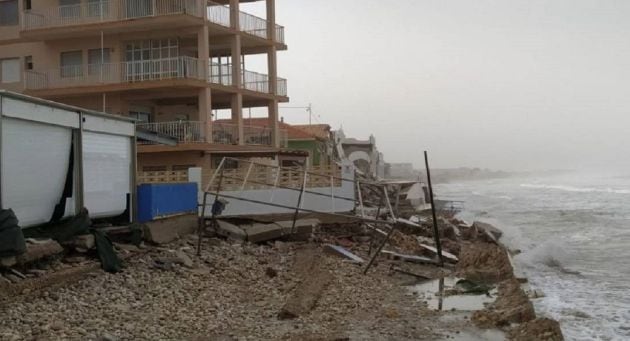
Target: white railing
<point>255,81</point>
<point>184,131</point>
<point>280,34</point>
<point>253,25</point>
<point>281,87</point>
<point>220,74</point>
<point>114,73</point>
<point>108,10</point>
<point>227,133</point>
<point>218,14</point>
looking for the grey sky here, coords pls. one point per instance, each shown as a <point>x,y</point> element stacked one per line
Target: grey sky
<point>503,84</point>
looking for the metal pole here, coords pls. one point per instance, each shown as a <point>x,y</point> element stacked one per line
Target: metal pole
<point>214,220</point>
<point>299,203</point>
<point>380,247</point>
<point>436,231</point>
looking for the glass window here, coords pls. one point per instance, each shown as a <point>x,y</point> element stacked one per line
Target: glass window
<point>9,12</point>
<point>142,117</point>
<point>28,63</point>
<point>10,70</point>
<point>71,63</point>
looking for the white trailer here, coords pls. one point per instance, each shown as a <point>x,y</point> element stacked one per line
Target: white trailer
<point>60,158</point>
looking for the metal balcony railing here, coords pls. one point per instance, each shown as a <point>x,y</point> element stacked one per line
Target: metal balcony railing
<point>253,81</point>
<point>115,73</point>
<point>248,23</point>
<point>227,133</point>
<point>218,14</point>
<point>108,10</point>
<point>184,131</point>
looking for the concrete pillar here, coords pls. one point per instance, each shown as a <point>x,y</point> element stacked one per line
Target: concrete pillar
<point>272,69</point>
<point>234,14</point>
<point>204,98</point>
<point>271,19</point>
<point>272,109</point>
<point>237,116</point>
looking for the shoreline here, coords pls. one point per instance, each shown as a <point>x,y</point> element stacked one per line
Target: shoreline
<point>281,290</point>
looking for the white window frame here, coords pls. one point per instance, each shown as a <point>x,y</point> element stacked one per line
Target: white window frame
<point>5,73</point>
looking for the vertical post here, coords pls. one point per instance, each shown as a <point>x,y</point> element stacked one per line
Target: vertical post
<point>299,203</point>
<point>436,231</point>
<point>249,170</point>
<point>332,193</point>
<point>397,202</point>
<point>213,217</point>
<point>360,196</point>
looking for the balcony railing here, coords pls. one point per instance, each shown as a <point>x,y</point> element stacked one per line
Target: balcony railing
<point>115,73</point>
<point>248,23</point>
<point>147,70</point>
<point>222,133</point>
<point>184,131</point>
<point>108,10</point>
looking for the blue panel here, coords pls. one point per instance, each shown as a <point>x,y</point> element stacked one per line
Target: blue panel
<point>160,200</point>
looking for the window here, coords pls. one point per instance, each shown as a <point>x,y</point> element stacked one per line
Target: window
<point>27,4</point>
<point>10,70</point>
<point>96,59</point>
<point>71,64</point>
<point>28,63</point>
<point>9,13</point>
<point>142,117</point>
<point>228,164</point>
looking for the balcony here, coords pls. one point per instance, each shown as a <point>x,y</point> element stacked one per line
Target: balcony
<point>127,73</point>
<point>109,11</point>
<point>248,23</point>
<point>222,133</point>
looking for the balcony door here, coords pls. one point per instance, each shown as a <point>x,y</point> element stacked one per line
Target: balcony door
<point>152,59</point>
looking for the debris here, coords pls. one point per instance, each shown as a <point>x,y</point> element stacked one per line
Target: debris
<point>405,272</point>
<point>493,232</point>
<point>408,258</point>
<point>7,262</point>
<point>258,233</point>
<point>83,243</point>
<point>12,278</point>
<point>230,231</point>
<point>39,250</point>
<point>512,306</point>
<point>315,278</point>
<point>542,329</point>
<point>341,252</point>
<point>487,262</point>
<point>166,230</point>
<point>262,232</point>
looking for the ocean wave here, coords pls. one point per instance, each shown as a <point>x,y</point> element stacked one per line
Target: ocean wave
<point>577,189</point>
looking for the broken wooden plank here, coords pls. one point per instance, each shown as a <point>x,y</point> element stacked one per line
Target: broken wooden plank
<point>337,250</point>
<point>408,258</point>
<point>449,256</point>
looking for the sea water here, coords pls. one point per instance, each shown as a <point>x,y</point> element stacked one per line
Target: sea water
<point>573,230</point>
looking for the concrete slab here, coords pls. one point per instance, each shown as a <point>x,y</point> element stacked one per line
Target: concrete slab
<point>339,251</point>
<point>166,230</point>
<point>231,231</point>
<point>407,258</point>
<point>40,249</point>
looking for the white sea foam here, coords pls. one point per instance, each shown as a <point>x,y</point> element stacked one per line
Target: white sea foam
<point>577,189</point>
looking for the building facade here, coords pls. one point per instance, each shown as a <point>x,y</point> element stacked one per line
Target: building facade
<point>166,63</point>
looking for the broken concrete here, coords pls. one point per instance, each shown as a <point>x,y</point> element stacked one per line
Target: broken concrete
<point>481,226</point>
<point>82,243</point>
<point>39,250</point>
<point>339,251</point>
<point>315,279</point>
<point>407,258</point>
<point>263,232</point>
<point>230,231</point>
<point>168,229</point>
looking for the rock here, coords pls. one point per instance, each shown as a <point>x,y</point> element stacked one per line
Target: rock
<point>5,280</point>
<point>271,272</point>
<point>487,231</point>
<point>36,272</point>
<point>107,337</point>
<point>84,242</point>
<point>7,262</point>
<point>39,250</point>
<point>184,259</point>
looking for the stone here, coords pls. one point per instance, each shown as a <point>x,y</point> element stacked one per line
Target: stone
<point>263,232</point>
<point>84,242</point>
<point>184,259</point>
<point>230,231</point>
<point>487,231</point>
<point>7,262</point>
<point>12,278</point>
<point>258,233</point>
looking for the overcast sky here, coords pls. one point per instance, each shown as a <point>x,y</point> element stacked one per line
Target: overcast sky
<point>504,84</point>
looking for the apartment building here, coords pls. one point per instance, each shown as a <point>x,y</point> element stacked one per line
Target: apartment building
<point>166,63</point>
